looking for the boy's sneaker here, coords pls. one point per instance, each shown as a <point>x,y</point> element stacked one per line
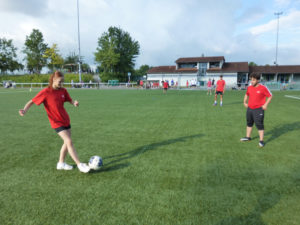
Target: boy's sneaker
<point>63,166</point>
<point>83,167</point>
<point>245,139</point>
<point>214,104</point>
<point>221,104</point>
<point>261,144</point>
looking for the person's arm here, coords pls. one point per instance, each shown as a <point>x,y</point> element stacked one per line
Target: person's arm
<point>246,101</point>
<point>264,107</point>
<point>22,112</point>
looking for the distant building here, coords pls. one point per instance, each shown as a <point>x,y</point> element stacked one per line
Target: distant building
<point>200,69</point>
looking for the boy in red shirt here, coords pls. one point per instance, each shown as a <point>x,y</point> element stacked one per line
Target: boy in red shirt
<point>165,86</point>
<point>220,89</point>
<point>53,97</point>
<point>256,106</point>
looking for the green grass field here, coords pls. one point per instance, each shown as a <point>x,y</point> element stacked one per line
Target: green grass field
<point>168,159</point>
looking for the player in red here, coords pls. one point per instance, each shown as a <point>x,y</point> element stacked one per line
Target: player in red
<point>53,97</point>
<point>256,106</point>
<point>220,89</point>
<point>209,84</point>
<point>165,86</point>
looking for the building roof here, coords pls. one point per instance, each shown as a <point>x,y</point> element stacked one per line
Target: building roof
<point>162,69</point>
<point>187,70</point>
<point>200,59</point>
<point>232,67</point>
<point>275,69</point>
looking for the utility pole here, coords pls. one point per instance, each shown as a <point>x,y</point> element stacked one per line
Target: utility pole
<point>277,14</point>
<point>79,57</point>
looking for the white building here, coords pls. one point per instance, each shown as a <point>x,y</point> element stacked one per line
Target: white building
<point>198,70</point>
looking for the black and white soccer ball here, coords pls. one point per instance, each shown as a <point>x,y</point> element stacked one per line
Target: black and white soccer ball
<point>95,162</point>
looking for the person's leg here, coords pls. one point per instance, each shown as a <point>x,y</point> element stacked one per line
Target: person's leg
<point>66,136</point>
<point>261,135</point>
<point>248,132</point>
<point>215,103</point>
<point>221,99</point>
<point>63,153</point>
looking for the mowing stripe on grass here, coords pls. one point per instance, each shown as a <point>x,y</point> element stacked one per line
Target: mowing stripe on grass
<point>13,92</point>
<point>290,96</point>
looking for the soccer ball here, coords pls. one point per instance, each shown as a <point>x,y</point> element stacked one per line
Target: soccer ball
<point>95,162</point>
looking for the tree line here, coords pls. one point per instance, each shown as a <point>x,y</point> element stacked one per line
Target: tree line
<point>115,56</point>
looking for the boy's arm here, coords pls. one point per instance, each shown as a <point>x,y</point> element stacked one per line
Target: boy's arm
<point>22,112</point>
<point>264,107</point>
<point>245,101</point>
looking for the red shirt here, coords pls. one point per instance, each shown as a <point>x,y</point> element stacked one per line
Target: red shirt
<point>166,85</point>
<point>54,104</point>
<point>220,85</point>
<point>257,96</point>
<point>209,83</point>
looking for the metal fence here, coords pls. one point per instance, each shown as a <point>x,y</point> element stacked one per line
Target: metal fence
<point>239,86</point>
<point>72,85</point>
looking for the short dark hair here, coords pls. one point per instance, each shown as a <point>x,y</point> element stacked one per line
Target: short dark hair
<point>221,76</point>
<point>255,75</point>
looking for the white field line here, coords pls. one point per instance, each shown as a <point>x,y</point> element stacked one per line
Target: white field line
<point>290,96</point>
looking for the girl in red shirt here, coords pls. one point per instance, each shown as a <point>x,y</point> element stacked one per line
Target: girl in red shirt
<point>53,97</point>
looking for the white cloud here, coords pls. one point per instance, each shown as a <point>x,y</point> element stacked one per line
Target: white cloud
<point>165,29</point>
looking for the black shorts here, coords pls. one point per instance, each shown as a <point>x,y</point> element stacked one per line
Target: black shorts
<point>219,92</point>
<point>59,129</point>
<point>255,116</point>
<point>165,88</point>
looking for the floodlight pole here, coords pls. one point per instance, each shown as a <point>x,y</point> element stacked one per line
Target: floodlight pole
<point>78,31</point>
<point>277,14</point>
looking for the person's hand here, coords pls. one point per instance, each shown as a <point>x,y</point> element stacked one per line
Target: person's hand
<point>22,112</point>
<point>264,107</point>
<point>76,103</point>
<point>246,105</point>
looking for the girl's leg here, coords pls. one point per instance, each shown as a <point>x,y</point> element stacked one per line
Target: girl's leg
<point>66,136</point>
<point>63,153</point>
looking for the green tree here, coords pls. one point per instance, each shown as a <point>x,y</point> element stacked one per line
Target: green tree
<point>252,64</point>
<point>71,62</point>
<point>55,60</point>
<point>116,53</point>
<point>34,50</point>
<point>140,72</point>
<point>8,56</point>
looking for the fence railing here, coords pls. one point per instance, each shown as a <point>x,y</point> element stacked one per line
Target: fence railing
<point>236,86</point>
<point>72,85</point>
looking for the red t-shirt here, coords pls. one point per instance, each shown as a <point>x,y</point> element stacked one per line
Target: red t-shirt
<point>166,85</point>
<point>257,96</point>
<point>209,83</point>
<point>220,85</point>
<point>54,104</point>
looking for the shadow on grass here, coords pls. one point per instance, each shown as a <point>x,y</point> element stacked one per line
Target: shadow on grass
<point>113,165</point>
<point>279,130</point>
<point>266,201</point>
<point>282,129</point>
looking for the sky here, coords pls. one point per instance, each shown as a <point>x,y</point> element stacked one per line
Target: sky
<point>239,30</point>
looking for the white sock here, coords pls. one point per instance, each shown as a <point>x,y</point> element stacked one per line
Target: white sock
<point>215,102</point>
<point>221,102</point>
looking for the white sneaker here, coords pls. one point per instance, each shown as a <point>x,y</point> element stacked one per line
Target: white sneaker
<point>83,167</point>
<point>63,166</point>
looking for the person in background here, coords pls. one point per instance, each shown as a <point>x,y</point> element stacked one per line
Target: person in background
<point>220,90</point>
<point>209,84</point>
